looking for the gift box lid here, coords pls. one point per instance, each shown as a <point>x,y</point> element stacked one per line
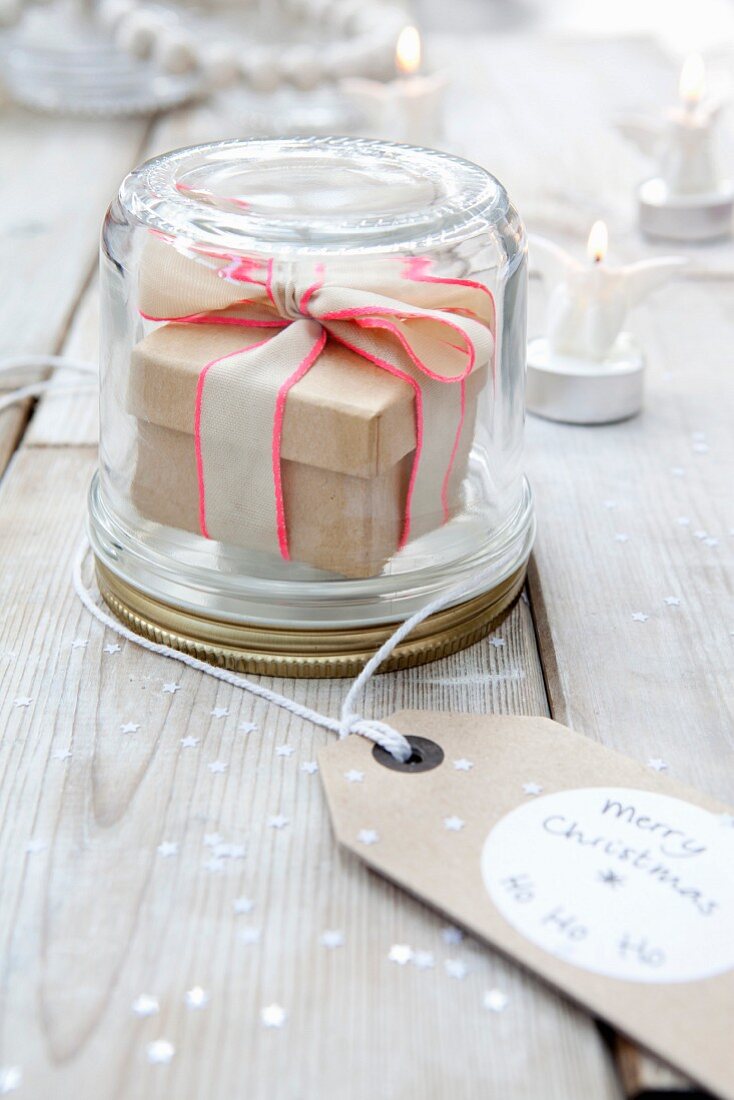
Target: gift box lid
<point>344,415</point>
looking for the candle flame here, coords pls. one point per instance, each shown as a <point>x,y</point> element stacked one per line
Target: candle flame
<point>408,51</point>
<point>692,81</point>
<point>596,248</point>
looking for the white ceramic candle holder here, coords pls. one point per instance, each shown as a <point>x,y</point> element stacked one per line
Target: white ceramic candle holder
<point>580,391</point>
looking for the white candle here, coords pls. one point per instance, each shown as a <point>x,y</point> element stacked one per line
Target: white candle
<point>687,159</point>
<point>589,302</point>
<point>409,107</point>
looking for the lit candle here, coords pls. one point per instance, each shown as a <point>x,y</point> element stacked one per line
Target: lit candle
<point>586,368</point>
<point>409,107</point>
<point>687,199</point>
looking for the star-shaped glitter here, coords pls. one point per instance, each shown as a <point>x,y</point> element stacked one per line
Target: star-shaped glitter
<point>10,1079</point>
<point>610,504</point>
<point>700,535</point>
<point>189,742</point>
<point>33,847</point>
<point>249,935</point>
<point>61,754</point>
<point>278,821</point>
<point>621,537</point>
<point>453,824</point>
<point>217,767</point>
<point>701,448</point>
<point>112,647</point>
<point>497,642</point>
<point>610,878</point>
<point>677,471</point>
<point>22,701</point>
<point>331,938</point>
<point>219,712</point>
<point>672,601</point>
<point>284,750</point>
<point>456,968</point>
<point>247,727</point>
<point>683,521</point>
<point>196,997</point>
<point>354,776</point>
<point>170,689</point>
<point>639,617</point>
<point>711,541</point>
<point>243,905</point>
<point>160,1052</point>
<point>212,839</point>
<point>167,849</point>
<point>310,767</point>
<point>145,1005</point>
<point>657,764</point>
<point>368,836</point>
<point>80,643</point>
<point>531,788</point>
<point>273,1015</point>
<point>400,953</point>
<point>423,960</point>
<point>230,851</point>
<point>494,1000</point>
<point>215,865</point>
<point>451,935</point>
<point>129,727</point>
<point>463,765</point>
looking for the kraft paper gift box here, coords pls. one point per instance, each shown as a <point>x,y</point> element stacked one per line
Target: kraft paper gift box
<point>327,423</point>
<point>348,444</point>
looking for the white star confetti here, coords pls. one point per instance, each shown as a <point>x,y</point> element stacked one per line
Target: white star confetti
<point>215,865</point>
<point>453,824</point>
<point>284,750</point>
<point>332,938</point>
<point>219,712</point>
<point>684,521</point>
<point>230,851</point>
<point>273,1015</point>
<point>456,968</point>
<point>33,847</point>
<point>80,643</point>
<point>610,504</point>
<point>22,701</point>
<point>61,754</point>
<point>10,1079</point>
<point>711,542</point>
<point>146,1005</point>
<point>170,689</point>
<point>129,727</point>
<point>112,647</point>
<point>621,537</point>
<point>189,742</point>
<point>451,935</point>
<point>657,764</point>
<point>463,765</point>
<point>423,960</point>
<point>677,471</point>
<point>672,601</point>
<point>495,1000</point>
<point>278,821</point>
<point>368,836</point>
<point>196,997</point>
<point>700,534</point>
<point>531,788</point>
<point>400,953</point>
<point>212,839</point>
<point>160,1052</point>
<point>701,448</point>
<point>639,617</point>
<point>310,767</point>
<point>243,905</point>
<point>167,849</point>
<point>353,776</point>
<point>497,642</point>
<point>217,767</point>
<point>249,936</point>
<point>247,727</point>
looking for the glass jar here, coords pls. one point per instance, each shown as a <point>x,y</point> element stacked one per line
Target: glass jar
<point>312,402</point>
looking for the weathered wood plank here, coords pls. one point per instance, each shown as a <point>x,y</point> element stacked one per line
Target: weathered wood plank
<point>98,917</point>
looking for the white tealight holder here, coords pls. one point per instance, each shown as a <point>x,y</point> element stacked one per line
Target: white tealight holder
<point>580,391</point>
<point>698,217</point>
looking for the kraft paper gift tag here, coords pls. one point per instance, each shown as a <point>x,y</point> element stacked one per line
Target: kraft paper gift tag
<point>610,881</point>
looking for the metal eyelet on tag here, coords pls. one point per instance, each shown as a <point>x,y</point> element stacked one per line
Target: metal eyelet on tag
<point>425,756</point>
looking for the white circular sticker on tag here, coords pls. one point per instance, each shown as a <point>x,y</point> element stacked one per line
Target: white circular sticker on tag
<point>630,884</point>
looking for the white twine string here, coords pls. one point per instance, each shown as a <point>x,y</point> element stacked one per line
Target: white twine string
<point>350,721</point>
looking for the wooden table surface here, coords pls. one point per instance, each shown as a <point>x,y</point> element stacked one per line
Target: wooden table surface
<point>92,915</point>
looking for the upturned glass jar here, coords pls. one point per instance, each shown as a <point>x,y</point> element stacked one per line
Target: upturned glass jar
<point>312,383</point>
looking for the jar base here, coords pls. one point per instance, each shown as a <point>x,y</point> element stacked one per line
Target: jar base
<point>301,654</point>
